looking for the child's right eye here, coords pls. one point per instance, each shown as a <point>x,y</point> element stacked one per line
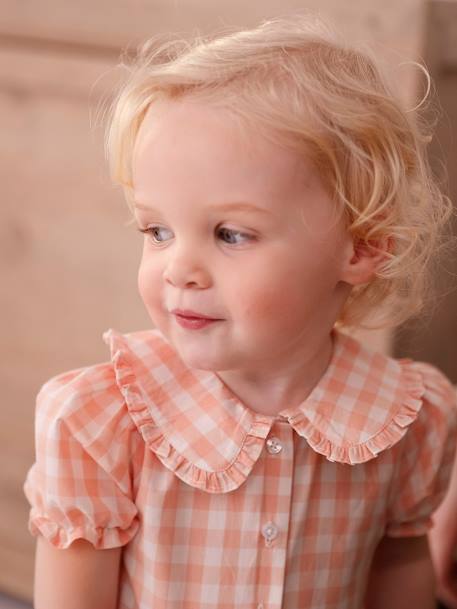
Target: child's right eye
<point>152,231</point>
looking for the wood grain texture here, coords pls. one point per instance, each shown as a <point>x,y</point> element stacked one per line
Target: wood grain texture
<point>68,262</point>
<point>107,24</point>
<point>433,337</point>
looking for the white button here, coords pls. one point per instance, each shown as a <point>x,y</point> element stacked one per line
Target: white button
<point>274,446</point>
<point>270,531</point>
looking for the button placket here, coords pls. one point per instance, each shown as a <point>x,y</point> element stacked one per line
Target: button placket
<point>270,532</point>
<point>274,446</point>
<point>278,470</point>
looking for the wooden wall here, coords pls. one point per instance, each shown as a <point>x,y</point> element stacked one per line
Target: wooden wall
<point>68,259</point>
<point>433,337</point>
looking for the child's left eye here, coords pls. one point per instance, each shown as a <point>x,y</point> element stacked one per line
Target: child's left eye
<point>233,232</point>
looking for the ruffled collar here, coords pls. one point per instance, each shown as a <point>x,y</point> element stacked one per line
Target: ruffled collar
<point>211,440</point>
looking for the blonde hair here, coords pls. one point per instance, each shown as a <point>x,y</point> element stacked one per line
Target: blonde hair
<point>298,81</point>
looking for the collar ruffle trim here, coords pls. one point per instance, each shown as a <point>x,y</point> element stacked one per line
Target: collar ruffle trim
<point>201,431</point>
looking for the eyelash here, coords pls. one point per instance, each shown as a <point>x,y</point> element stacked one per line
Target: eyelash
<point>147,231</point>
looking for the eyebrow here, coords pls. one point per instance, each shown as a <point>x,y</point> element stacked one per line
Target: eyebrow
<point>244,207</point>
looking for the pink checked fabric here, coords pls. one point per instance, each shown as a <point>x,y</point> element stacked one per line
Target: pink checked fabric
<point>220,507</point>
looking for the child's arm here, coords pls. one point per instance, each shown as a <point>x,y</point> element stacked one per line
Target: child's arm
<point>443,543</point>
<point>401,575</point>
<point>77,577</point>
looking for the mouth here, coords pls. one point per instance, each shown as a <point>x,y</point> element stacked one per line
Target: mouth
<point>190,315</point>
<point>194,323</point>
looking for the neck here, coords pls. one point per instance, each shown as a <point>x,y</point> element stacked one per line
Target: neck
<point>281,384</point>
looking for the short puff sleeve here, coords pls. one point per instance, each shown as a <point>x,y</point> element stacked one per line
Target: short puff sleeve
<point>425,457</point>
<point>80,485</point>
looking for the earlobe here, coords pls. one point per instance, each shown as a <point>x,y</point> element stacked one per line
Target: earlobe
<point>363,259</point>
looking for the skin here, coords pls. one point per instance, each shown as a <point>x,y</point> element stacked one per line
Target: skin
<point>443,543</point>
<point>401,575</point>
<point>278,290</point>
<point>78,577</point>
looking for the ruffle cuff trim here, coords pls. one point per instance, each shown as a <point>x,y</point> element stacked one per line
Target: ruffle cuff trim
<point>63,537</point>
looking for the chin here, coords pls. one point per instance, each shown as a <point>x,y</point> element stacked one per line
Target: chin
<point>201,359</point>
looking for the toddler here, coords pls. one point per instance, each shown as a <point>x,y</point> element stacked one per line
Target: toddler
<point>247,451</point>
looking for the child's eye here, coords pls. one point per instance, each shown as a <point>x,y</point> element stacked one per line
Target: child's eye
<point>231,233</point>
<point>152,231</point>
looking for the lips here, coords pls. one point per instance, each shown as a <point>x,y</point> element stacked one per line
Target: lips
<point>188,314</point>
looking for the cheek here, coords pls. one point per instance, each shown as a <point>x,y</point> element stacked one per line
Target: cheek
<point>147,282</point>
<point>267,295</point>
<point>141,283</point>
<point>259,305</point>
<point>286,288</point>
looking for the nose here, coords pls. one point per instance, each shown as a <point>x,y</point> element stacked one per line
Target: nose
<point>186,269</point>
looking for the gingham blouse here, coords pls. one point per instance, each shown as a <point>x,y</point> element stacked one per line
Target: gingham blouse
<point>220,507</point>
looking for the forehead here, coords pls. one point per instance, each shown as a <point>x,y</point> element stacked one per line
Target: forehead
<point>187,116</point>
<point>194,142</point>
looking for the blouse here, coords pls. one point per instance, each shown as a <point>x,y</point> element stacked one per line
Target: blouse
<point>218,506</point>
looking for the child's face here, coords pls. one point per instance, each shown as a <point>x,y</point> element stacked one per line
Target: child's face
<point>273,277</point>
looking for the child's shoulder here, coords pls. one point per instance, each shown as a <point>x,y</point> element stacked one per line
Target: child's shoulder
<point>437,416</point>
<point>368,401</point>
<point>88,399</point>
<point>424,377</point>
<point>105,378</point>
<point>422,389</point>
<point>438,389</point>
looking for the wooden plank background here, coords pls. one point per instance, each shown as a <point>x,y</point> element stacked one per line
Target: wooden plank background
<point>68,260</point>
<point>61,282</point>
<point>433,337</point>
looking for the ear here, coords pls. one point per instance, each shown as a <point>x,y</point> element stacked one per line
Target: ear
<point>363,259</point>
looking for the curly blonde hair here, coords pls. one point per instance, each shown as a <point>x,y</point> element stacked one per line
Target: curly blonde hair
<point>294,78</point>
